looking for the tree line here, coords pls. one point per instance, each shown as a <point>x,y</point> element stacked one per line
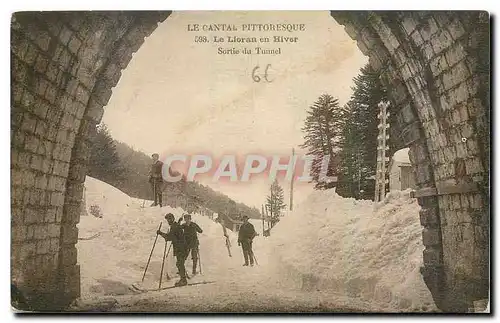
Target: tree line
<point>348,134</point>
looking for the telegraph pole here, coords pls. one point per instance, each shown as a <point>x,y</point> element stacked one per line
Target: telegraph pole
<point>262,219</point>
<point>382,147</point>
<point>267,216</point>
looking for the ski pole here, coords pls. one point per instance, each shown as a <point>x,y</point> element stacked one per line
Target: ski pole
<point>149,259</point>
<point>199,259</point>
<point>255,258</point>
<point>228,245</point>
<point>163,263</point>
<point>168,277</point>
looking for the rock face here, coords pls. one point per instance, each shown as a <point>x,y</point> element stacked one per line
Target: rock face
<point>435,65</point>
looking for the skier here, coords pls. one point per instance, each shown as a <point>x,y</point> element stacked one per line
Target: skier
<point>156,179</point>
<point>245,239</point>
<point>191,231</point>
<point>176,235</point>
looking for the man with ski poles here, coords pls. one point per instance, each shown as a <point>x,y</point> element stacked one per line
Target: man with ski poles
<point>191,231</point>
<point>245,239</point>
<point>176,236</point>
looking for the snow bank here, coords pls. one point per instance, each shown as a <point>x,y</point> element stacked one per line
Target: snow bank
<point>109,199</point>
<point>355,248</point>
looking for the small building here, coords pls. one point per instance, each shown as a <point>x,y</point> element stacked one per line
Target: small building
<point>401,174</point>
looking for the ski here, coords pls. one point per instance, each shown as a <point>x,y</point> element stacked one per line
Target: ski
<point>228,245</point>
<point>135,287</point>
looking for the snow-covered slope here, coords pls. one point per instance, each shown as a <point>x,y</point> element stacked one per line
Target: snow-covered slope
<point>122,239</point>
<point>355,248</point>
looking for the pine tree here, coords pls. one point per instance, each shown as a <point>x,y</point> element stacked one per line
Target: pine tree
<point>322,137</point>
<point>275,202</point>
<point>104,162</point>
<point>358,154</point>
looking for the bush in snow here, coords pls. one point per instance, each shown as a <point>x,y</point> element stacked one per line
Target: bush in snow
<point>95,210</point>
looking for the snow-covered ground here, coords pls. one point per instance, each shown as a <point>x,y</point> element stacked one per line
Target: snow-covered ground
<point>354,248</point>
<point>330,253</point>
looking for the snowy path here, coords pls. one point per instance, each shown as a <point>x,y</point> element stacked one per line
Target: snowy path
<point>115,259</point>
<point>236,289</point>
<point>108,270</point>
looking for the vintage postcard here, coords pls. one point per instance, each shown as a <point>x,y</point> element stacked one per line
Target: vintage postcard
<point>250,161</point>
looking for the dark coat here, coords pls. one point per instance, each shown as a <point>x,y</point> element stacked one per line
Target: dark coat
<point>156,171</point>
<point>176,235</point>
<point>191,231</point>
<point>247,232</point>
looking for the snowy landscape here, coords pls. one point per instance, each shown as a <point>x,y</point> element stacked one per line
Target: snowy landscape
<point>330,254</point>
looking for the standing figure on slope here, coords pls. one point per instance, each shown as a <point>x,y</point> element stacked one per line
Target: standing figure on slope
<point>245,239</point>
<point>176,235</point>
<point>191,231</point>
<point>156,179</point>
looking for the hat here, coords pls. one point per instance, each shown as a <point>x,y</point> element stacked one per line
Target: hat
<point>170,216</point>
<point>155,154</point>
<point>187,215</point>
<point>245,217</point>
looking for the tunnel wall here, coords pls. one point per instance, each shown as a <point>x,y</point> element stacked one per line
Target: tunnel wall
<point>64,66</point>
<point>435,66</point>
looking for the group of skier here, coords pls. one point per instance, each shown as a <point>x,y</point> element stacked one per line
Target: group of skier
<point>184,237</point>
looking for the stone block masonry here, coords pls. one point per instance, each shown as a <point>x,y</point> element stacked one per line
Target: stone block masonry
<point>436,57</point>
<point>64,66</point>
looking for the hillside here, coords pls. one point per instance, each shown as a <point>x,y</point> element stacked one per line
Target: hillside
<point>133,181</point>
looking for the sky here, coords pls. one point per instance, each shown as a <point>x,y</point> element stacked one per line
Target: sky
<point>181,96</point>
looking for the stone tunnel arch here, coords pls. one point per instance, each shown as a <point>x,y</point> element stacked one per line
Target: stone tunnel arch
<point>435,65</point>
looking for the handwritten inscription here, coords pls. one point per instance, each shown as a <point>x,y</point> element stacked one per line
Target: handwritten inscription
<point>256,78</point>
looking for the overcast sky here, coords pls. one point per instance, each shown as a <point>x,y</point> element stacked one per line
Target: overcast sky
<point>180,96</point>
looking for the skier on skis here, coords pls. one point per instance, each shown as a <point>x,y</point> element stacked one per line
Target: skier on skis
<point>156,179</point>
<point>176,235</point>
<point>191,231</point>
<point>245,238</point>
